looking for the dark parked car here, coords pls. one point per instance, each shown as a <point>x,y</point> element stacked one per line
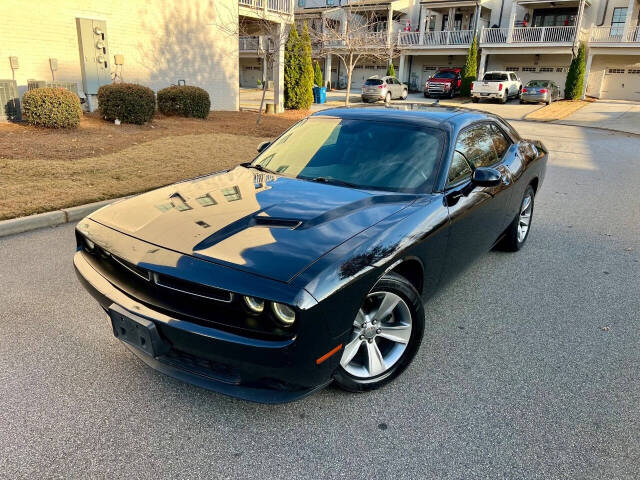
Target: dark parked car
<point>311,263</point>
<point>537,91</point>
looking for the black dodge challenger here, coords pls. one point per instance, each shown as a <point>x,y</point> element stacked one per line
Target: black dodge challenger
<point>312,263</point>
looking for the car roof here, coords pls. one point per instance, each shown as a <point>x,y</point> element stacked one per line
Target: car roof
<point>410,113</point>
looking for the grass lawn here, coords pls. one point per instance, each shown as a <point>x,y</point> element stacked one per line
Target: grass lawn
<point>43,170</point>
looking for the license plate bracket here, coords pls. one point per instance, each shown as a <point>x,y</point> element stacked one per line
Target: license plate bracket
<point>137,331</point>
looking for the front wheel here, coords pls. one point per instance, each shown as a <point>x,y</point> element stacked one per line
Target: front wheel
<point>386,335</point>
<point>452,93</point>
<point>518,231</point>
<point>405,94</point>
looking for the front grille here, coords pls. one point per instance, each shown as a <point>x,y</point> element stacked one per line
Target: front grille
<point>202,366</point>
<point>436,87</point>
<point>183,299</point>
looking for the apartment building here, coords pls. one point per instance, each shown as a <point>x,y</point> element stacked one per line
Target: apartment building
<point>83,44</point>
<point>536,38</point>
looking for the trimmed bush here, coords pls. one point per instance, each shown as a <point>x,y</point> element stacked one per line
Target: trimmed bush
<point>391,70</point>
<point>574,83</point>
<point>52,108</point>
<point>292,70</point>
<point>470,70</point>
<point>185,101</point>
<point>128,102</point>
<point>317,75</point>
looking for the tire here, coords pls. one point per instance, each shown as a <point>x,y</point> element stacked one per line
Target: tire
<point>522,102</point>
<point>387,98</point>
<point>505,97</point>
<point>513,239</point>
<point>452,93</point>
<point>356,374</point>
<point>475,99</point>
<point>405,94</point>
<point>548,102</point>
<point>426,95</point>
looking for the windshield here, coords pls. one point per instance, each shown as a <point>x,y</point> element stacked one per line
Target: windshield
<point>445,75</point>
<point>366,154</point>
<point>373,81</point>
<point>495,77</point>
<point>538,83</point>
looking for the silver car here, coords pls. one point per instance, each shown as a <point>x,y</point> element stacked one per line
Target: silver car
<point>540,91</point>
<point>384,88</point>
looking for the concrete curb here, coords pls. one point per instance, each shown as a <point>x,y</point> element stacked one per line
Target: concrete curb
<point>50,219</point>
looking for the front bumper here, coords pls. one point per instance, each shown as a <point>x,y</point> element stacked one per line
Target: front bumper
<point>266,371</point>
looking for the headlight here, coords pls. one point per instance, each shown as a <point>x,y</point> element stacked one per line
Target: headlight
<point>284,314</point>
<point>89,246</point>
<point>256,305</point>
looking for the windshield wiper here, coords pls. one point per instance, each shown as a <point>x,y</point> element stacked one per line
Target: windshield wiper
<point>332,181</point>
<point>257,166</point>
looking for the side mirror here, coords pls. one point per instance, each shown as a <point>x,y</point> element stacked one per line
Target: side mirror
<point>263,145</point>
<point>486,177</point>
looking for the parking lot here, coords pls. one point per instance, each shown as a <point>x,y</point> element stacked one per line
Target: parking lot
<point>529,366</point>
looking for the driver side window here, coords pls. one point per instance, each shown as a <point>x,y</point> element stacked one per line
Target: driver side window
<point>474,146</point>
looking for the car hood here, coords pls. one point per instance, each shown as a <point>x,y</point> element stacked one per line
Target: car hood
<point>441,80</point>
<point>265,224</point>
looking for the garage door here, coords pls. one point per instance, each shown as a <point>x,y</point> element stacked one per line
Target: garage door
<point>621,83</point>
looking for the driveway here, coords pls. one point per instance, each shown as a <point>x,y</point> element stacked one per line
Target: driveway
<point>528,370</point>
<point>617,115</point>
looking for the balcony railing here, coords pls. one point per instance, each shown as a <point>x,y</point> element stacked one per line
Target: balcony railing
<point>540,35</point>
<point>278,6</point>
<point>614,35</point>
<point>249,44</point>
<point>282,6</point>
<point>436,39</point>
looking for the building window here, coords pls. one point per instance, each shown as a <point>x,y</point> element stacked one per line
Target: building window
<point>232,194</point>
<point>546,69</point>
<point>529,69</point>
<point>614,70</point>
<point>635,71</point>
<point>617,21</point>
<point>301,3</point>
<point>512,69</point>
<point>330,2</point>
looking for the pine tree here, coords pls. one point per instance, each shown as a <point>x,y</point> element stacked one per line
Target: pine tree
<point>307,73</point>
<point>391,71</point>
<point>575,77</point>
<point>292,70</point>
<point>470,68</point>
<point>317,75</point>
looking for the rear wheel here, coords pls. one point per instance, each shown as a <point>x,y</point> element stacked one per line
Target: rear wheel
<point>405,94</point>
<point>549,100</point>
<point>386,335</point>
<point>475,99</point>
<point>518,231</point>
<point>505,97</point>
<point>387,97</point>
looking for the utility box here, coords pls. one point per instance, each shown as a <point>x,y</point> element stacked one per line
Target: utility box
<point>9,101</point>
<point>94,54</point>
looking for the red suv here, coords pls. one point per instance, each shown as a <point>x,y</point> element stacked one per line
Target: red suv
<point>445,83</point>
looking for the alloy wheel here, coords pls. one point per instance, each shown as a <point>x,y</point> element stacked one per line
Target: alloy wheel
<point>524,219</point>
<point>381,333</point>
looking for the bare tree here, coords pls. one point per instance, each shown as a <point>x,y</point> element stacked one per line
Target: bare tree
<point>275,37</point>
<point>353,34</point>
<point>273,28</point>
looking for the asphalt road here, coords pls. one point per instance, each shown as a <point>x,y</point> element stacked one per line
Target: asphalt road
<point>529,368</point>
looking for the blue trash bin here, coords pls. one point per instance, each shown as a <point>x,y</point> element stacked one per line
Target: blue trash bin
<point>316,94</point>
<point>322,95</point>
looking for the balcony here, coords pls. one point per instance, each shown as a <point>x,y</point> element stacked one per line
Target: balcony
<point>272,6</point>
<point>445,38</point>
<point>615,35</point>
<point>249,44</point>
<point>529,36</point>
